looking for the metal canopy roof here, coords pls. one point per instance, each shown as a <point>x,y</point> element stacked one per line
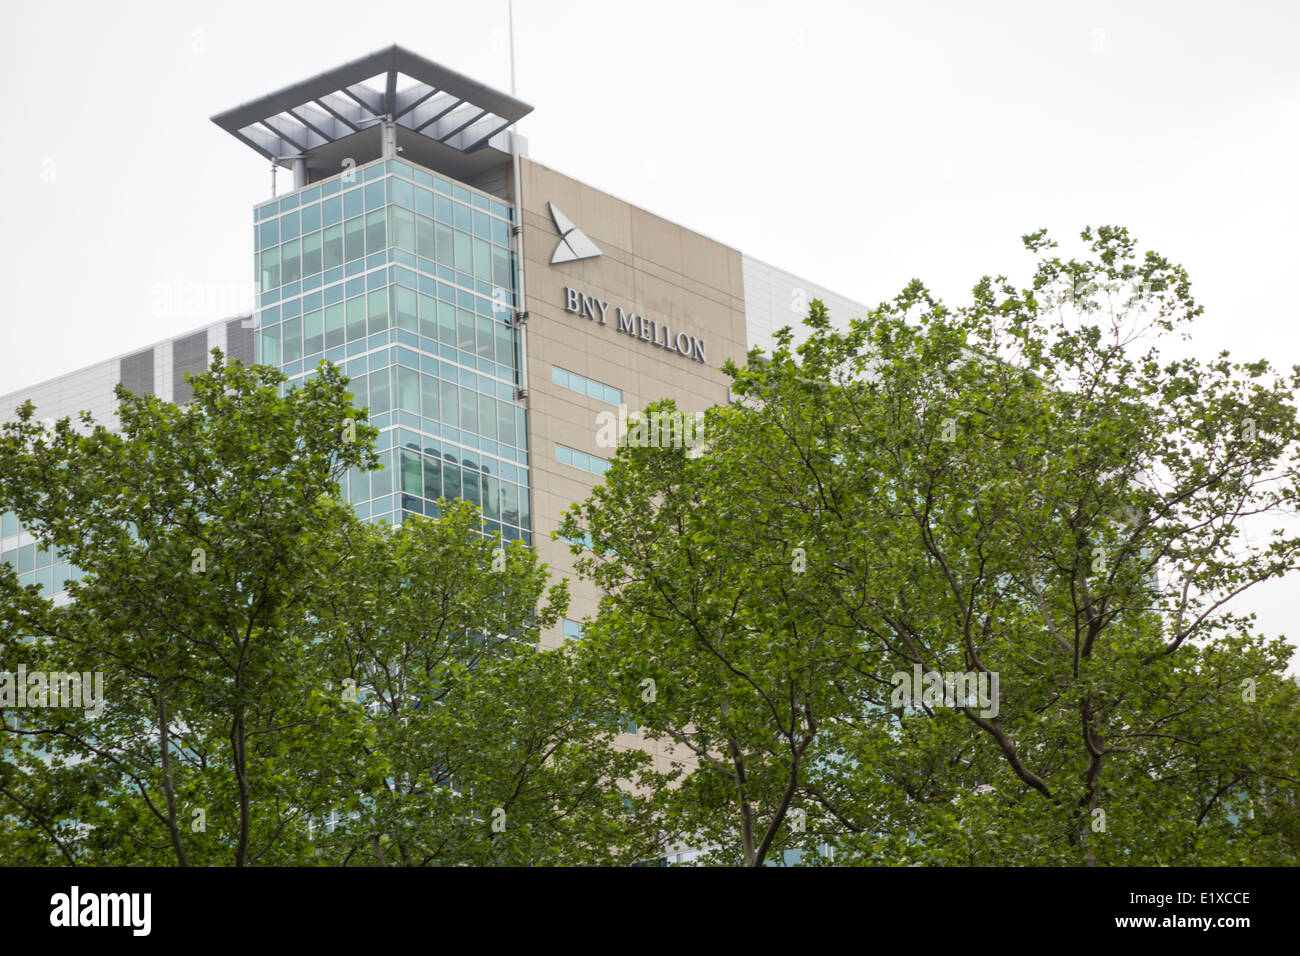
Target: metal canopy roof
<point>434,104</point>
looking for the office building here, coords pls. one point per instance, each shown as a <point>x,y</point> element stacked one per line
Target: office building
<point>487,307</point>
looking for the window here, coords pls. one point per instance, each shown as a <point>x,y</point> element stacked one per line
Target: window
<point>586,386</point>
<point>271,268</point>
<point>572,630</point>
<point>354,239</point>
<point>334,329</point>
<point>289,262</point>
<point>313,342</point>
<point>580,459</point>
<point>311,254</point>
<point>356,318</point>
<point>333,250</point>
<point>376,229</point>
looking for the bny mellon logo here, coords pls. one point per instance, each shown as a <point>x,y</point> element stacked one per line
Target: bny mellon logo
<point>574,243</point>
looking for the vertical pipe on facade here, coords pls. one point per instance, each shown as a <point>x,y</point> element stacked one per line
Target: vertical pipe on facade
<point>519,220</point>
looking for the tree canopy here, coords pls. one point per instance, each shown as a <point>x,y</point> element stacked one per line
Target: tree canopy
<point>1019,489</point>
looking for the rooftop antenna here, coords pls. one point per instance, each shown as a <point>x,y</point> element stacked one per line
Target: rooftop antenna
<point>511,14</point>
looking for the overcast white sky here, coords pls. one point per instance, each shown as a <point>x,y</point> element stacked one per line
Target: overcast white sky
<point>858,144</point>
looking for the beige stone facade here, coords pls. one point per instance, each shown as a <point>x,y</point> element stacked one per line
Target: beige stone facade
<point>657,269</point>
<point>654,268</point>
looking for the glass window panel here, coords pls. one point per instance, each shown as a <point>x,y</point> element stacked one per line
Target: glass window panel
<point>450,480</point>
<point>403,193</point>
<point>468,410</point>
<point>376,229</point>
<point>270,233</point>
<point>481,228</point>
<point>310,218</point>
<point>375,194</point>
<point>482,260</point>
<point>404,229</point>
<point>271,268</point>
<point>501,267</point>
<point>412,473</point>
<point>356,318</point>
<point>432,479</point>
<point>331,211</point>
<point>449,407</point>
<point>446,323</point>
<point>487,417</point>
<point>334,325</point>
<point>404,308</point>
<point>506,423</point>
<point>525,519</point>
<point>521,427</point>
<point>596,390</point>
<point>464,253</point>
<point>491,498</point>
<point>381,481</point>
<point>312,338</point>
<point>442,209</point>
<point>424,241</point>
<point>424,201</point>
<point>505,352</point>
<point>559,376</point>
<point>292,339</point>
<point>470,488</point>
<point>26,558</point>
<point>358,485</point>
<point>359,386</point>
<point>270,354</point>
<point>446,245</point>
<point>377,310</point>
<point>354,239</point>
<point>500,232</point>
<point>311,254</point>
<point>379,392</point>
<point>353,203</point>
<point>485,331</point>
<point>408,390</point>
<point>461,218</point>
<point>563,455</point>
<point>465,330</point>
<point>428,308</point>
<point>333,247</point>
<point>509,502</point>
<point>289,226</point>
<point>429,396</point>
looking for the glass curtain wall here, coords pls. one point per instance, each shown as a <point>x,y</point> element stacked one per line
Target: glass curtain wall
<point>406,280</point>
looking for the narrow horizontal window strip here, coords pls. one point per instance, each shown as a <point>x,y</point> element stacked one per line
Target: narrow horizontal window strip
<point>586,386</point>
<point>580,459</point>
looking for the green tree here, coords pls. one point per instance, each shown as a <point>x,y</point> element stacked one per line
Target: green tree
<point>1021,486</point>
<point>284,684</point>
<point>202,532</point>
<point>478,748</point>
